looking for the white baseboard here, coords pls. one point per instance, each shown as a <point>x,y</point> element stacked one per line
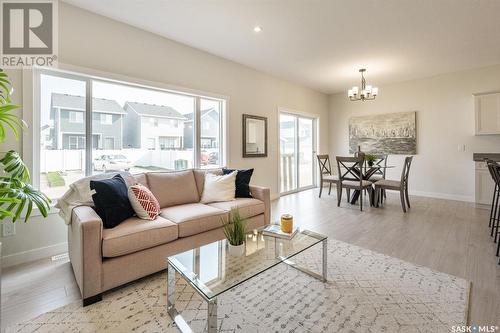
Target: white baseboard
<point>436,195</point>
<point>35,254</point>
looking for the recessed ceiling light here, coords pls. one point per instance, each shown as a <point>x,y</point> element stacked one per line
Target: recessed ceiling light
<point>257,28</point>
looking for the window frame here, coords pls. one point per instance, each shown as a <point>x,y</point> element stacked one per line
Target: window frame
<point>31,114</point>
<point>76,120</point>
<point>106,116</point>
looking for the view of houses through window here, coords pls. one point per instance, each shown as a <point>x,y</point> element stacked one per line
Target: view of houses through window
<point>133,129</point>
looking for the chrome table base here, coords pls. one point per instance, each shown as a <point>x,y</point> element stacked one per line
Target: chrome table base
<point>212,303</point>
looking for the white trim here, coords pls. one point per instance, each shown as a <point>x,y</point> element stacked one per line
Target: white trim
<point>30,155</point>
<point>104,142</point>
<point>437,195</point>
<point>75,113</point>
<point>128,80</point>
<point>315,137</point>
<point>107,117</point>
<point>86,75</point>
<point>34,254</point>
<point>225,144</point>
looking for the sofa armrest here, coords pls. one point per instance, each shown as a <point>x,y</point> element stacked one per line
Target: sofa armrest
<point>263,194</point>
<point>84,244</point>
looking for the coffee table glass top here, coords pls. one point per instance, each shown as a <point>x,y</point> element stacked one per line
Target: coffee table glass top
<point>212,271</point>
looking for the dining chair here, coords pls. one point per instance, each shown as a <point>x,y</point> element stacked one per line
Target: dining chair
<point>325,173</point>
<point>378,174</point>
<point>381,161</point>
<point>396,185</point>
<point>350,170</point>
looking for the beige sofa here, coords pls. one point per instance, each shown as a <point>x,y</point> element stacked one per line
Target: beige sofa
<point>103,259</point>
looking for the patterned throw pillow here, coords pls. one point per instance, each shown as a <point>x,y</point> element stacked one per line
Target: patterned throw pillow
<point>145,204</point>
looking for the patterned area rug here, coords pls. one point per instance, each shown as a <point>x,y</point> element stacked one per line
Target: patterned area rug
<point>366,292</point>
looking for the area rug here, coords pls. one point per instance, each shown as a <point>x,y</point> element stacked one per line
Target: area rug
<point>366,292</point>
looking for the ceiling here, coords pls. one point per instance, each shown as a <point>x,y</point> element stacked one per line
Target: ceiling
<point>323,43</point>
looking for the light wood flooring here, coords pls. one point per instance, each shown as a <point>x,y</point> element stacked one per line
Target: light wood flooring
<point>448,236</point>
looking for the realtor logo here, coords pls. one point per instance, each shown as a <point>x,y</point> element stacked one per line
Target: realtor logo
<point>28,33</point>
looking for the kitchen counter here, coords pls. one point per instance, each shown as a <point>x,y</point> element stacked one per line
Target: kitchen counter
<point>480,157</point>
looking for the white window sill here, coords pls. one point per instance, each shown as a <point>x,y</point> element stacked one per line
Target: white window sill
<point>53,210</point>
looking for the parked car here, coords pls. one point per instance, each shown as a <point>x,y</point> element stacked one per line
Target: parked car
<point>204,157</point>
<point>112,163</point>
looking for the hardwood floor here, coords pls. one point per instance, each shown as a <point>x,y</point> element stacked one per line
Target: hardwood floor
<point>448,236</point>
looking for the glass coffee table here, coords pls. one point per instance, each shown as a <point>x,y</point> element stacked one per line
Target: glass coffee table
<point>211,271</point>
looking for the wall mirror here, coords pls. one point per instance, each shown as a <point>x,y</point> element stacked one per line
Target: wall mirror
<point>254,136</point>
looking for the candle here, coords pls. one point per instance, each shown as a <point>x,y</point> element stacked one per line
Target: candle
<point>287,223</point>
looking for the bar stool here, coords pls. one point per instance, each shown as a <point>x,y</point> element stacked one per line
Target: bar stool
<point>494,224</point>
<point>494,203</point>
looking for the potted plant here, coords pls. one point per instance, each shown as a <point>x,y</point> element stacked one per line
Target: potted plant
<point>370,159</point>
<point>234,230</point>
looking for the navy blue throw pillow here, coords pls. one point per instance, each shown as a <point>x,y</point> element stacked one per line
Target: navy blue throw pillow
<point>242,182</point>
<point>111,200</point>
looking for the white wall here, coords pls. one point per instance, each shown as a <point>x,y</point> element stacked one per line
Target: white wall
<point>92,41</point>
<point>445,120</point>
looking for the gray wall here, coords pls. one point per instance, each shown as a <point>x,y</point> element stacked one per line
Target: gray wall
<point>114,130</point>
<point>131,129</point>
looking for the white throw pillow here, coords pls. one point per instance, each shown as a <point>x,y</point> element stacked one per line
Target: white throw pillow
<point>219,188</point>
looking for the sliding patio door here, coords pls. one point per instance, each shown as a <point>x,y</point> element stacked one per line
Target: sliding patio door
<point>297,150</point>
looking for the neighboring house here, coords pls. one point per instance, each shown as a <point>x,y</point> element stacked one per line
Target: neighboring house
<point>209,130</point>
<point>68,115</point>
<point>149,126</point>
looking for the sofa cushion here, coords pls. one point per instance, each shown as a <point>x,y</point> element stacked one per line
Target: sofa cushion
<point>135,234</point>
<point>248,207</point>
<point>111,200</point>
<point>199,176</point>
<point>141,179</point>
<point>143,202</point>
<point>219,188</point>
<point>173,188</point>
<point>242,182</point>
<point>194,218</point>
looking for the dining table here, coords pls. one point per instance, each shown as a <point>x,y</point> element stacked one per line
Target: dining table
<point>368,172</point>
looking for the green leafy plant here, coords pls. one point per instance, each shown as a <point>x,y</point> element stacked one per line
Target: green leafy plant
<point>234,228</point>
<point>370,158</point>
<point>16,193</point>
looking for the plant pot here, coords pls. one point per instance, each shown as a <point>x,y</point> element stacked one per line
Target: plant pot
<point>236,250</point>
<point>370,163</point>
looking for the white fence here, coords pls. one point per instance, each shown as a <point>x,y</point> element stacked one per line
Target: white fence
<point>61,160</point>
<point>73,160</point>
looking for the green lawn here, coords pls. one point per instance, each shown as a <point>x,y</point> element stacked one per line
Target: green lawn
<point>55,179</point>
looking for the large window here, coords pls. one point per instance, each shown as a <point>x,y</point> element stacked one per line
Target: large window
<point>123,126</point>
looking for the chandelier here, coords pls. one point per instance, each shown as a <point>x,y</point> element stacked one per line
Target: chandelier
<point>367,92</point>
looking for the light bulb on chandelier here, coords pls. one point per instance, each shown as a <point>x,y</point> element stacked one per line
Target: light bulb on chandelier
<point>367,92</point>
